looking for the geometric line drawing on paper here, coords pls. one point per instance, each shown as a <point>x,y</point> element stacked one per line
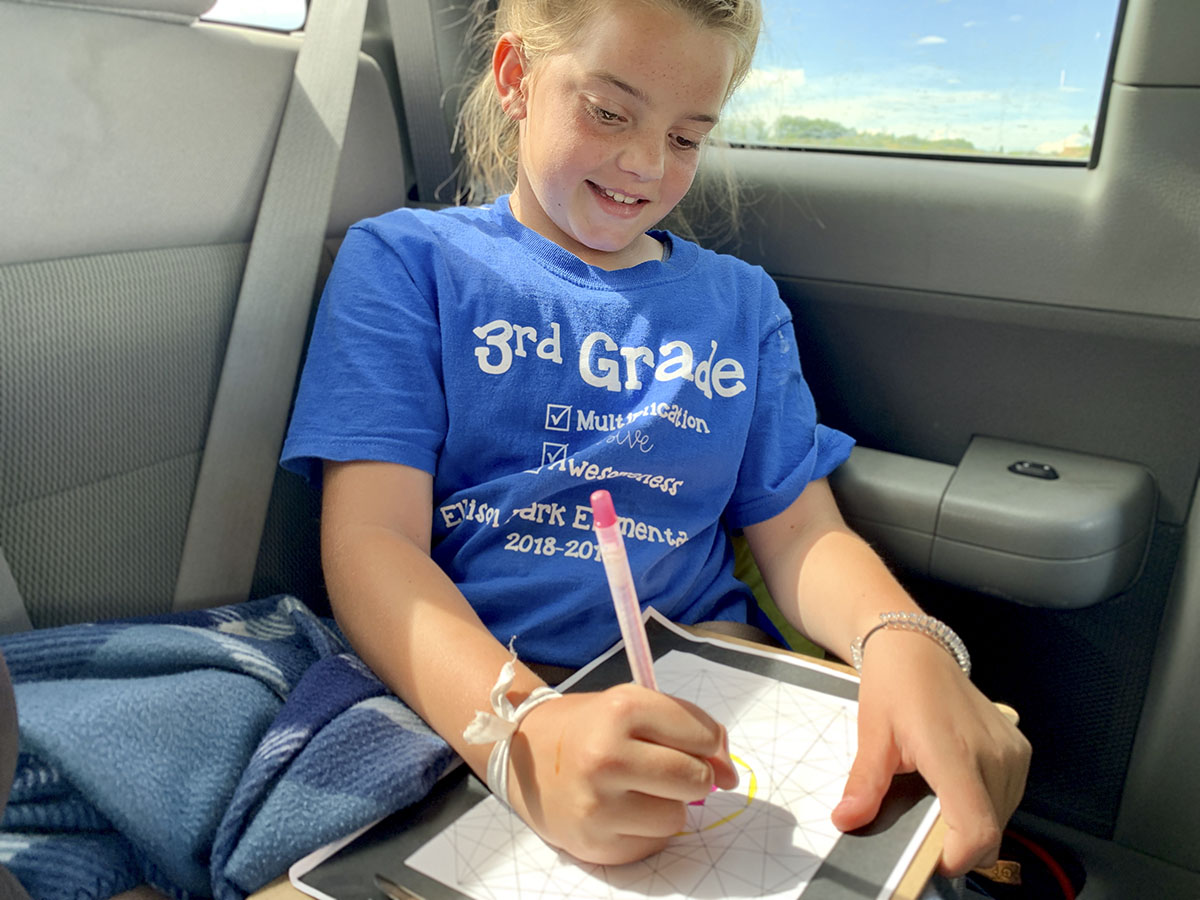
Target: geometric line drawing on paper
<point>794,750</point>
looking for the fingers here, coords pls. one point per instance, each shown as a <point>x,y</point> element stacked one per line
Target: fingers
<point>670,721</point>
<point>978,795</point>
<point>677,750</point>
<point>973,829</point>
<point>635,814</point>
<point>870,776</point>
<point>663,771</point>
<point>607,776</point>
<point>725,774</point>
<point>968,806</point>
<point>917,712</point>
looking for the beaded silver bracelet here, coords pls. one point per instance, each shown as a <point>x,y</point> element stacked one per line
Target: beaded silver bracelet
<point>933,628</point>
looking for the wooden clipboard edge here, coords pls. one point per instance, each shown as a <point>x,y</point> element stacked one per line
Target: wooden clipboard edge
<point>924,862</point>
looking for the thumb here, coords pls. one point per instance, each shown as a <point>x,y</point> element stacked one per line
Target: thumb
<point>870,777</point>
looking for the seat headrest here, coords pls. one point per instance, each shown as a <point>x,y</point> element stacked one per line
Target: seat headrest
<point>181,10</point>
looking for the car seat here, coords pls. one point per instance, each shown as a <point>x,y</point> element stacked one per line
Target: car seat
<point>133,158</point>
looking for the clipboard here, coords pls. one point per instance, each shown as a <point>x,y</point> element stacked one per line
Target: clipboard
<point>891,859</point>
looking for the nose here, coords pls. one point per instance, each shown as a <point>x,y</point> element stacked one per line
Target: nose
<point>643,157</point>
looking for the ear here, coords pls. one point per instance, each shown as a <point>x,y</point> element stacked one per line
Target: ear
<point>509,70</point>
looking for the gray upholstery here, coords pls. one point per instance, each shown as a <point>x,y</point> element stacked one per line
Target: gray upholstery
<point>102,429</point>
<point>126,134</point>
<point>132,174</point>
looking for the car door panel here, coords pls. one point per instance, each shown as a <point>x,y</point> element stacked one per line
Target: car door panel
<point>936,300</point>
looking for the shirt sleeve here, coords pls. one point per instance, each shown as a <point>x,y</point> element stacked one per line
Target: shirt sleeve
<point>371,388</point>
<point>788,447</point>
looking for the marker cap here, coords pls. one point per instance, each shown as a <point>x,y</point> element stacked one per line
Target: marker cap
<point>602,509</point>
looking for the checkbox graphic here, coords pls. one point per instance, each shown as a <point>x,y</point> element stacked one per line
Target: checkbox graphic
<point>553,452</point>
<point>558,417</point>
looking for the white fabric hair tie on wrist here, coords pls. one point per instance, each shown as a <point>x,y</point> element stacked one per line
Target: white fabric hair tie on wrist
<point>501,724</point>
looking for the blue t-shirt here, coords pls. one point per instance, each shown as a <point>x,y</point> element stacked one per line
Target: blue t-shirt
<point>464,344</point>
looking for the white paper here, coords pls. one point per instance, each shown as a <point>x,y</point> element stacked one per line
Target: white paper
<point>793,747</point>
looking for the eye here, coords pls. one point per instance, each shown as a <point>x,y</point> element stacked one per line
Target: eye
<point>602,115</point>
<point>684,143</point>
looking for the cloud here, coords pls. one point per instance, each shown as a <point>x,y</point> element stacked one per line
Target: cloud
<point>930,39</point>
<point>1064,87</point>
<point>782,80</point>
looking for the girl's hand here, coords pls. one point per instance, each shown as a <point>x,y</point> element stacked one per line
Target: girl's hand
<point>607,776</point>
<point>918,712</point>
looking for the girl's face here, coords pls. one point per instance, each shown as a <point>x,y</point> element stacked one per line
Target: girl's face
<point>610,130</point>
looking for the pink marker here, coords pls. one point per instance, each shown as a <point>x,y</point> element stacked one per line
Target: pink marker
<point>620,583</point>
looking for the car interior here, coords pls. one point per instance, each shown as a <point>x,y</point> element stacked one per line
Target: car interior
<point>1015,346</point>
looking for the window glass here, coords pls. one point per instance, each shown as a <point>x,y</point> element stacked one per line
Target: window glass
<point>280,15</point>
<point>1020,78</point>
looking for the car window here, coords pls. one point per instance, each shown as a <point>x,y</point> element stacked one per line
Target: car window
<point>279,15</point>
<point>1019,79</point>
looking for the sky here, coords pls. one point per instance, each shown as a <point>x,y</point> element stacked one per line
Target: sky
<point>281,14</point>
<point>1003,74</point>
<point>1007,75</point>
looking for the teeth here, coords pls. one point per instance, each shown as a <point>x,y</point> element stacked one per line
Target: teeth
<point>620,198</point>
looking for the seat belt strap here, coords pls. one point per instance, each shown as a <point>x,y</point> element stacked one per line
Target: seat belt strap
<point>13,615</point>
<point>241,451</point>
<point>414,39</point>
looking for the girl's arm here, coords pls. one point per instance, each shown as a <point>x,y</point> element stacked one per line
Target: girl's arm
<point>605,776</point>
<point>917,711</point>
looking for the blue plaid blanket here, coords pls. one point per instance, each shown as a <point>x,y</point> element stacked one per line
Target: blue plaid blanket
<point>200,752</point>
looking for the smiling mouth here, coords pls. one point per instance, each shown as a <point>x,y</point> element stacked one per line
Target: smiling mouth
<point>616,196</point>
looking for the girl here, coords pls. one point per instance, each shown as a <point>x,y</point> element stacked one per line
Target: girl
<point>475,373</point>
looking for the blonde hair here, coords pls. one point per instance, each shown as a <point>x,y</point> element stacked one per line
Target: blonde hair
<point>487,136</point>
